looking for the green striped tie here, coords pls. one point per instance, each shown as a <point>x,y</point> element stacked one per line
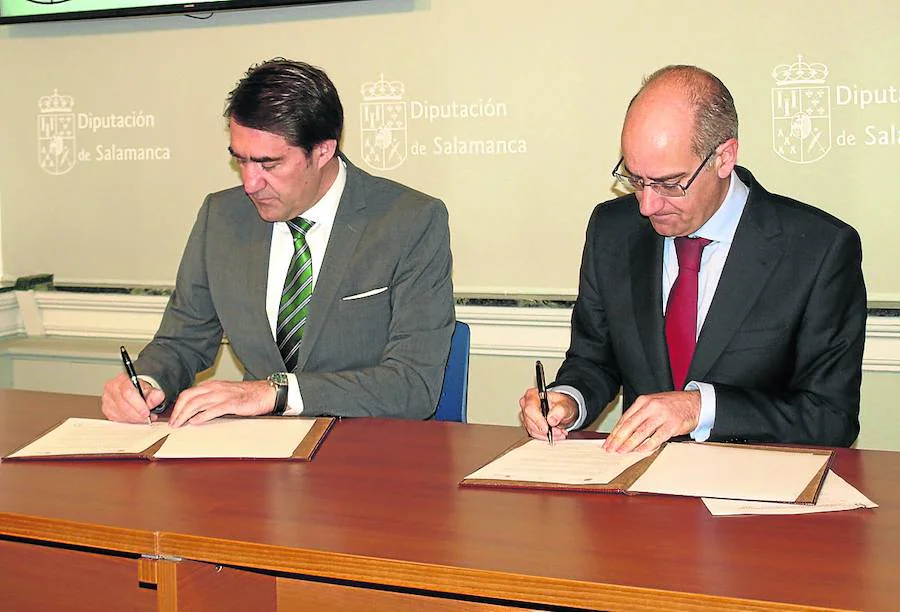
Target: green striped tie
<point>295,297</point>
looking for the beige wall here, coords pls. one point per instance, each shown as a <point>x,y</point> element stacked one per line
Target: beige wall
<point>546,80</point>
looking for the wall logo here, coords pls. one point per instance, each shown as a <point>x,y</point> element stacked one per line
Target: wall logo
<point>801,112</point>
<point>58,124</point>
<point>443,128</point>
<point>383,120</point>
<point>56,133</point>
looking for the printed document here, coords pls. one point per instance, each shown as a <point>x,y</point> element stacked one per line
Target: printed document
<point>574,462</point>
<point>95,437</point>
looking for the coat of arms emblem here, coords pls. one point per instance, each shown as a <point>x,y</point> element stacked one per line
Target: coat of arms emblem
<point>383,120</point>
<point>56,133</point>
<point>801,112</point>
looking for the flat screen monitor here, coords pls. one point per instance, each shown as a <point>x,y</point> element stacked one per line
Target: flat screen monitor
<point>21,11</point>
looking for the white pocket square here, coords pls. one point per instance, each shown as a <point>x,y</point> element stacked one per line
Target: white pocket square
<point>365,294</point>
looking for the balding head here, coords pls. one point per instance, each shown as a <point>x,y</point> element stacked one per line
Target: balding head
<point>713,116</point>
<point>680,130</point>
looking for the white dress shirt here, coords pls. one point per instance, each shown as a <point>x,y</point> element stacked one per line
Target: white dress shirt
<point>322,214</point>
<point>719,228</point>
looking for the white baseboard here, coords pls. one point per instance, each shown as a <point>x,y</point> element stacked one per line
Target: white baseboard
<point>496,331</point>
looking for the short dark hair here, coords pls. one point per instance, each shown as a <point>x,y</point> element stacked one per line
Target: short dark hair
<point>715,117</point>
<point>292,99</point>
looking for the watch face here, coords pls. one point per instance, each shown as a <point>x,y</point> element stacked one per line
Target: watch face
<point>279,378</point>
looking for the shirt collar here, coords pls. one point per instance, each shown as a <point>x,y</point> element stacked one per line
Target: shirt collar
<point>326,208</point>
<point>723,224</point>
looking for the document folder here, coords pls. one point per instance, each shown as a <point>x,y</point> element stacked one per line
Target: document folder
<point>716,470</point>
<point>284,438</point>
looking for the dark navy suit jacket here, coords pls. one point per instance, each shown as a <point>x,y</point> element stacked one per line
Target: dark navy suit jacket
<point>782,342</point>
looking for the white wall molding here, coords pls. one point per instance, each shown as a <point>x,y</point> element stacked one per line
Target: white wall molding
<point>11,323</point>
<point>29,313</point>
<point>882,345</point>
<point>496,331</point>
<point>517,332</point>
<point>100,315</point>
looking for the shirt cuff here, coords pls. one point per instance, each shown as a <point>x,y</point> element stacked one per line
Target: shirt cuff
<point>576,395</point>
<point>295,400</point>
<point>707,409</point>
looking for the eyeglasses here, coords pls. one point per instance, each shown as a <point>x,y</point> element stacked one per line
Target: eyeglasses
<point>669,190</point>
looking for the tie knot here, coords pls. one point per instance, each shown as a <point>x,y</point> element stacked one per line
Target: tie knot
<point>689,251</point>
<point>299,226</point>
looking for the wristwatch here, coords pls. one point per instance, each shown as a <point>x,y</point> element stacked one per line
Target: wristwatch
<point>279,382</point>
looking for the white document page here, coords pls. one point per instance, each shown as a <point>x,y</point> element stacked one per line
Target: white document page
<point>836,494</point>
<point>236,438</point>
<point>731,472</point>
<point>95,437</point>
<point>575,462</point>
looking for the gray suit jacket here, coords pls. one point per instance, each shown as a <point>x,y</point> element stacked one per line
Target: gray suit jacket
<point>382,355</point>
<point>782,342</point>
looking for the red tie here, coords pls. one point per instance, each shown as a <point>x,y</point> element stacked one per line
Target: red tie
<point>681,310</point>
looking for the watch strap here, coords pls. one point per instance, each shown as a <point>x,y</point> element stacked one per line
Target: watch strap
<point>281,394</point>
<point>279,382</point>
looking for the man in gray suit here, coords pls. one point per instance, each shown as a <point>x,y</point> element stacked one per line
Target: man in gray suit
<point>332,286</point>
<point>771,347</point>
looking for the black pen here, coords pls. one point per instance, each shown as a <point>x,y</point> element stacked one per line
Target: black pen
<point>129,369</point>
<point>542,393</point>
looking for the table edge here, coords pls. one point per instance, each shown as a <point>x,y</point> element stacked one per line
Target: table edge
<point>88,535</point>
<point>448,579</point>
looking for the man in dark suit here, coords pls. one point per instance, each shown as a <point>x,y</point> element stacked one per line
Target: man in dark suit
<point>771,349</point>
<point>332,286</point>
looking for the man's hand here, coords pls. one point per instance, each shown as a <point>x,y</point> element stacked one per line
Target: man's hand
<point>216,398</point>
<point>121,401</point>
<point>563,412</point>
<point>653,419</point>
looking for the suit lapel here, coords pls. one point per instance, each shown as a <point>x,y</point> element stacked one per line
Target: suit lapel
<point>645,257</point>
<point>257,250</point>
<point>349,224</point>
<point>754,252</point>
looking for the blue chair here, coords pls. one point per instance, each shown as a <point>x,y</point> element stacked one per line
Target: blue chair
<point>452,405</point>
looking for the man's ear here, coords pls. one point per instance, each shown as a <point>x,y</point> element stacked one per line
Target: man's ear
<point>726,159</point>
<point>323,152</point>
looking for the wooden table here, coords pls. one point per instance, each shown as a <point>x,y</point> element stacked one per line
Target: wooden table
<point>377,522</point>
